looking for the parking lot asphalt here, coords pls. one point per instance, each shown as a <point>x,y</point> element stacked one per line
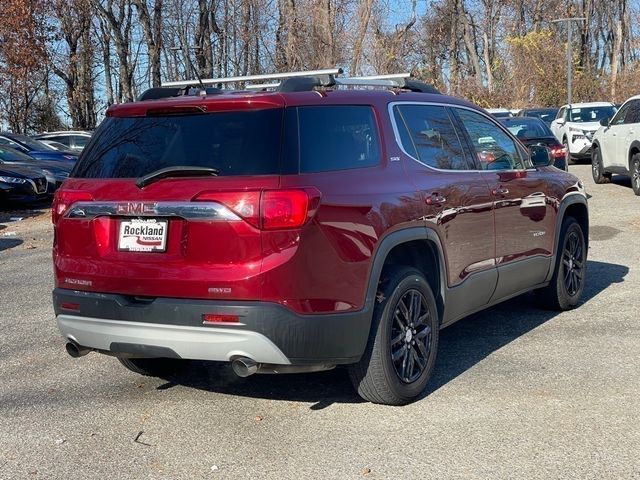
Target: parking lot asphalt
<point>517,392</point>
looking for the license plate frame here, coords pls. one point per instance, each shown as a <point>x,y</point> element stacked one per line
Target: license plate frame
<point>143,235</point>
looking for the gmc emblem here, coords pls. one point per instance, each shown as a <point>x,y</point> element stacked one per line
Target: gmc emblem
<point>136,208</point>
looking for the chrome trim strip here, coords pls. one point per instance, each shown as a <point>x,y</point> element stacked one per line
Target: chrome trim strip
<point>205,211</point>
<point>396,134</point>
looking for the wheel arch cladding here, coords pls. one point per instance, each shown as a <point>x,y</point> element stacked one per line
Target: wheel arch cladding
<point>573,205</point>
<point>414,247</point>
<point>580,212</point>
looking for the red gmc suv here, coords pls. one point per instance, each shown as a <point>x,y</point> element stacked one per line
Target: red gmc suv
<point>316,225</point>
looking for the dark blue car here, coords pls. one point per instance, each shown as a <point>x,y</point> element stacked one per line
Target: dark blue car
<point>35,148</point>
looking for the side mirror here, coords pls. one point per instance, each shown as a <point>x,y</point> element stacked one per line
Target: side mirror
<point>540,156</point>
<point>560,121</point>
<point>605,121</point>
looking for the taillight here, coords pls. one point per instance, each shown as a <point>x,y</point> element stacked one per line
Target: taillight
<point>63,200</point>
<point>559,151</point>
<point>243,204</point>
<point>284,209</point>
<point>269,209</point>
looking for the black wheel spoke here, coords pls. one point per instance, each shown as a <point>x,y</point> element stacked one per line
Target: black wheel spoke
<point>423,350</point>
<point>398,354</point>
<point>411,335</point>
<point>424,332</point>
<point>397,339</point>
<point>403,309</point>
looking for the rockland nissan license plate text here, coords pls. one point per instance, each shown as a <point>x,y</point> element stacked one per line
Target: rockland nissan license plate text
<point>143,235</point>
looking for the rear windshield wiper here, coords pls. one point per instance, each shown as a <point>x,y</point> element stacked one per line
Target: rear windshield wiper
<point>175,172</point>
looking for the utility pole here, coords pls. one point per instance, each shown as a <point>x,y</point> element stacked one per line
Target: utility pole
<point>568,21</point>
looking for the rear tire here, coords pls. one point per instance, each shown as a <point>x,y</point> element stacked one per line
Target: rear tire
<point>403,343</point>
<point>567,284</point>
<point>635,173</point>
<point>153,367</point>
<point>597,169</point>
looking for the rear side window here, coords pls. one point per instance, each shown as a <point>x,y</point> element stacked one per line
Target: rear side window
<point>337,138</point>
<point>234,143</point>
<point>427,133</point>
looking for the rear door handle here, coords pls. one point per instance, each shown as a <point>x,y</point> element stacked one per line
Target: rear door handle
<point>436,199</point>
<point>500,190</point>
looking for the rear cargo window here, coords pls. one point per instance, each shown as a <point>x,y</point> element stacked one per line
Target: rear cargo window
<point>235,143</point>
<point>337,138</point>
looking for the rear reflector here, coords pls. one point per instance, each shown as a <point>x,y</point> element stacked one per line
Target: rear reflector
<point>70,306</point>
<point>216,318</point>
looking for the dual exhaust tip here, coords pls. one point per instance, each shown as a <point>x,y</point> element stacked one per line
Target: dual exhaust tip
<point>75,350</point>
<point>242,366</point>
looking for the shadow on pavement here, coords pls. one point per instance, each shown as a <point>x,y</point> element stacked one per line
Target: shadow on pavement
<point>462,345</point>
<point>621,180</point>
<point>7,243</point>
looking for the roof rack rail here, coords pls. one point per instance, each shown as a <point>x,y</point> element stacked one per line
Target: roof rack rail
<point>253,78</point>
<point>300,81</point>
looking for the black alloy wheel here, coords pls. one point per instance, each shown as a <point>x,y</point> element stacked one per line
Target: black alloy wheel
<point>411,336</point>
<point>567,283</point>
<point>573,263</point>
<point>403,341</point>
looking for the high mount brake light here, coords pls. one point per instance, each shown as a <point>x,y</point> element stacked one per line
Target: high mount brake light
<point>64,199</point>
<point>269,209</point>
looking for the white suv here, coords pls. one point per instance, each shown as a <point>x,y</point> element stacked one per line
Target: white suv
<point>575,125</point>
<point>616,146</point>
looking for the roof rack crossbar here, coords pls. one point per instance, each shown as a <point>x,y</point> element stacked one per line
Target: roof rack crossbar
<point>254,78</point>
<point>391,76</point>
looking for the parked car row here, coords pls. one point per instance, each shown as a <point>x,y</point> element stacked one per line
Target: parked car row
<point>605,133</point>
<point>32,168</point>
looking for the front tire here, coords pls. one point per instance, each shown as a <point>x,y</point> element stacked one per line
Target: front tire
<point>567,284</point>
<point>597,169</point>
<point>635,173</point>
<point>153,367</point>
<point>570,159</point>
<point>401,351</point>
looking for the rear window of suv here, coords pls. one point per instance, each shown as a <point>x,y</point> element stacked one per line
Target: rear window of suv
<point>234,143</point>
<point>249,142</point>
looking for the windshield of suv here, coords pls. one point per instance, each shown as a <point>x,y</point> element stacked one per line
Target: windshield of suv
<point>526,128</point>
<point>591,114</point>
<point>8,154</point>
<point>234,143</point>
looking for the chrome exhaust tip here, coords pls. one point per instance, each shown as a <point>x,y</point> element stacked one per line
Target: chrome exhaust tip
<point>244,367</point>
<point>75,350</point>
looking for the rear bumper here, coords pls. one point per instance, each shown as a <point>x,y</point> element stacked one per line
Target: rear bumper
<point>267,332</point>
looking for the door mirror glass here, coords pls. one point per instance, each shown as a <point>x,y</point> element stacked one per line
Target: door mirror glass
<point>605,121</point>
<point>540,156</point>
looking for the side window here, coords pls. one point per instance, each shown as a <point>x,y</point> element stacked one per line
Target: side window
<point>560,114</point>
<point>633,115</point>
<point>495,150</point>
<point>80,141</point>
<point>63,139</point>
<point>337,138</point>
<point>428,133</point>
<point>629,113</point>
